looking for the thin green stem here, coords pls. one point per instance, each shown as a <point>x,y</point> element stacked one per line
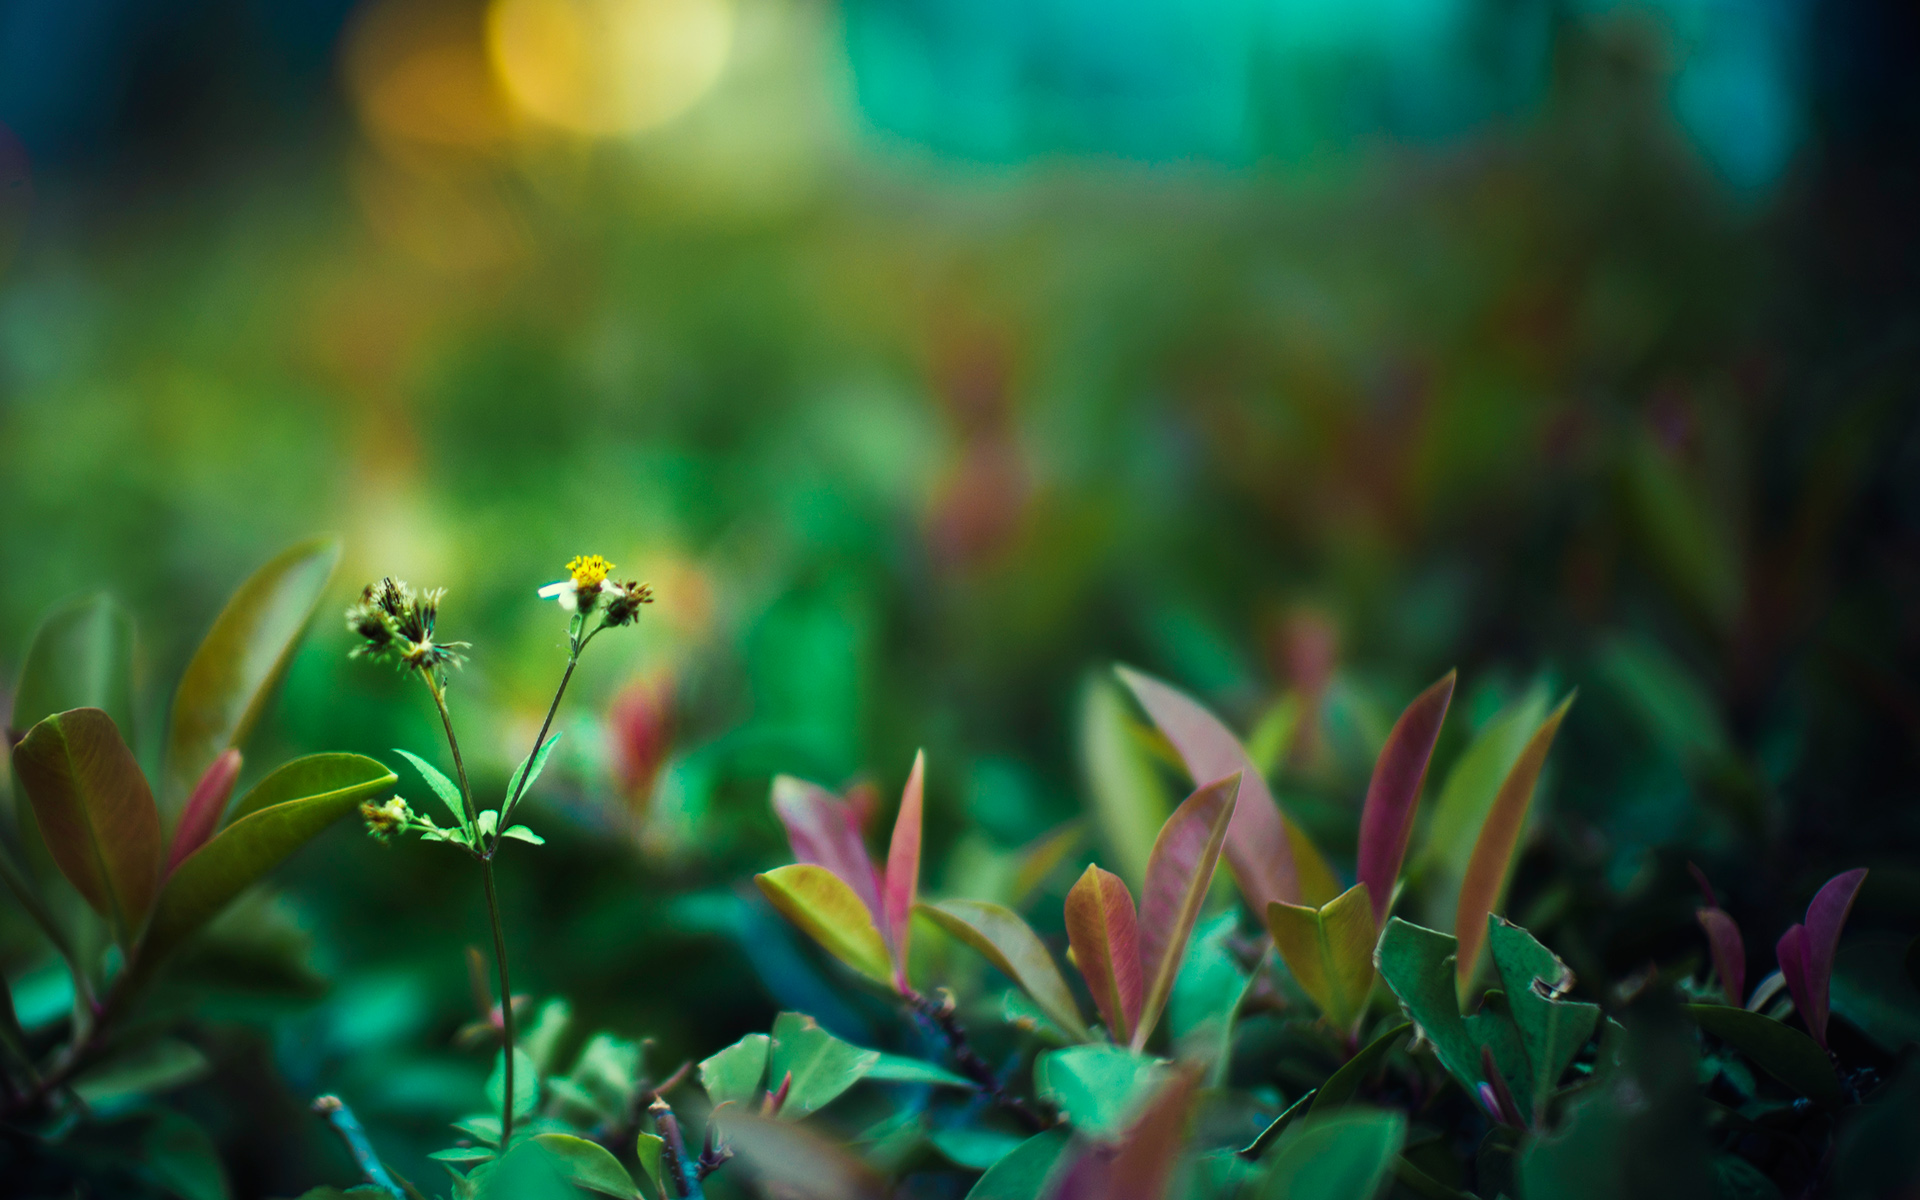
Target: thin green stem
<point>453,743</point>
<point>540,739</point>
<point>506,1002</point>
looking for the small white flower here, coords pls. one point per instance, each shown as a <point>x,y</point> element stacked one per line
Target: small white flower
<point>567,592</point>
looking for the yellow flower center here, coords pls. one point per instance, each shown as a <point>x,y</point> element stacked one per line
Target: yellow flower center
<point>589,570</point>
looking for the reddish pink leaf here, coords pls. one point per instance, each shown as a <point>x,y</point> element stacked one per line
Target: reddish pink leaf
<point>1105,938</point>
<point>1179,872</point>
<point>1387,820</point>
<point>825,831</point>
<point>903,869</point>
<point>1141,1167</point>
<point>202,813</point>
<point>1257,849</point>
<point>1706,889</point>
<point>1811,977</point>
<point>1729,953</point>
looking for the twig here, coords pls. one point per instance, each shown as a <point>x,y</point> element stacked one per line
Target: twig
<point>940,1013</point>
<point>683,1174</point>
<point>335,1112</point>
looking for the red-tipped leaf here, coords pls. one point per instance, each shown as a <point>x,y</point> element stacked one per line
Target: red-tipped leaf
<point>825,831</point>
<point>1257,848</point>
<point>1179,872</point>
<point>1105,936</point>
<point>1387,821</point>
<point>1729,952</point>
<point>1810,975</point>
<point>202,813</point>
<point>902,884</point>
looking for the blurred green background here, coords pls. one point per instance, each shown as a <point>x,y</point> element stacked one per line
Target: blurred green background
<point>928,357</point>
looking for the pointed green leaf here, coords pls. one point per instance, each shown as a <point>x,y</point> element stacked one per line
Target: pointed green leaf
<point>442,786</point>
<point>1346,1154</point>
<point>1130,803</point>
<point>184,1158</point>
<point>648,1150</point>
<point>1207,996</point>
<point>974,1149</point>
<point>1258,1148</point>
<point>897,1068</point>
<point>280,814</point>
<point>1467,796</point>
<point>1552,1030</point>
<point>829,912</point>
<point>1003,939</point>
<point>1344,1084</point>
<point>1418,965</point>
<point>140,1074</point>
<point>517,791</point>
<point>526,1084</point>
<point>1097,1088</point>
<point>232,675</point>
<point>1023,1173</point>
<point>520,833</point>
<point>485,1130</point>
<point>1330,951</point>
<point>95,811</point>
<point>1775,1047</point>
<point>735,1073</point>
<point>80,657</point>
<point>821,1064</point>
<point>588,1164</point>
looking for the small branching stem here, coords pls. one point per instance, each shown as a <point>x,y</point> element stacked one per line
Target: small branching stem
<point>341,1120</point>
<point>682,1174</point>
<point>940,1013</point>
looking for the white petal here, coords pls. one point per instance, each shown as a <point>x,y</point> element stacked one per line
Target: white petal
<point>554,589</point>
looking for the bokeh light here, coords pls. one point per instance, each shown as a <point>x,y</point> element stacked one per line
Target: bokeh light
<point>609,67</point>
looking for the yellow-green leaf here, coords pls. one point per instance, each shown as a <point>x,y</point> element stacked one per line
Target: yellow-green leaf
<point>1003,939</point>
<point>1330,951</point>
<point>232,675</point>
<point>822,905</point>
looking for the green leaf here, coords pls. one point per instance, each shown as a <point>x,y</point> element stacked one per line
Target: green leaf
<point>80,657</point>
<point>1418,965</point>
<point>1009,943</point>
<point>1552,1030</point>
<point>1023,1173</point>
<point>520,833</point>
<point>1343,1155</point>
<point>805,1165</point>
<point>485,1130</point>
<point>588,1164</point>
<point>95,811</point>
<point>1098,1088</point>
<point>184,1158</point>
<point>1279,1125</point>
<point>1130,803</point>
<point>829,912</point>
<point>647,1150</point>
<point>1467,797</point>
<point>1207,995</point>
<point>974,1149</point>
<point>896,1068</point>
<point>1776,1048</point>
<point>526,1084</point>
<point>233,674</point>
<point>282,813</point>
<point>821,1064</point>
<point>517,792</point>
<point>157,1067</point>
<point>464,1154</point>
<point>1330,951</point>
<point>1344,1084</point>
<point>736,1072</point>
<point>442,786</point>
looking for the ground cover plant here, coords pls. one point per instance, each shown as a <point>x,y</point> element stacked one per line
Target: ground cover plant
<point>1304,1024</point>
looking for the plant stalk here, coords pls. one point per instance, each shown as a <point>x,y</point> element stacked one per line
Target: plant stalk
<point>506,1002</point>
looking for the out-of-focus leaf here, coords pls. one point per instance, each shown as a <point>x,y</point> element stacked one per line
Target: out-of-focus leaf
<point>1423,1185</point>
<point>1040,857</point>
<point>825,831</point>
<point>1344,1084</point>
<point>184,1158</point>
<point>1875,994</point>
<point>155,1068</point>
<point>485,1130</point>
<point>974,1149</point>
<point>526,1084</point>
<point>1346,1154</point>
<point>1319,882</point>
<point>1258,1148</point>
<point>1729,952</point>
<point>829,911</point>
<point>526,1172</point>
<point>1776,1048</point>
<point>280,814</point>
<point>1552,1030</point>
<point>80,657</point>
<point>735,1073</point>
<point>822,1066</point>
<point>803,1164</point>
<point>895,1068</point>
<point>1688,541</point>
<point>901,887</point>
<point>1329,951</point>
<point>1142,1165</point>
<point>1257,840</point>
<point>1024,1172</point>
<point>1467,796</point>
<point>1130,803</point>
<point>1492,862</point>
<point>442,787</point>
<point>205,805</point>
<point>1676,709</point>
<point>1418,965</point>
<point>1207,995</point>
<point>233,673</point>
<point>1806,952</point>
<point>1386,822</point>
<point>1003,939</point>
<point>648,1149</point>
<point>1097,1088</point>
<point>587,1164</point>
<point>95,811</point>
<point>1179,872</point>
<point>1105,937</point>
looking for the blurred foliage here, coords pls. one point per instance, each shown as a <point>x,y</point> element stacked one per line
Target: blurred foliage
<point>927,359</point>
